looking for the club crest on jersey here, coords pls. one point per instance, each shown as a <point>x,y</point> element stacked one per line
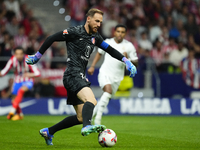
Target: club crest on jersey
<point>93,40</point>
<point>65,32</point>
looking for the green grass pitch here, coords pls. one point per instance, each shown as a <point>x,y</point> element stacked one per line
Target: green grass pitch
<point>133,133</point>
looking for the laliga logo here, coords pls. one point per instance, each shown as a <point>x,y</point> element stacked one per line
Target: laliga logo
<point>195,107</point>
<point>145,106</point>
<point>159,106</point>
<point>62,108</point>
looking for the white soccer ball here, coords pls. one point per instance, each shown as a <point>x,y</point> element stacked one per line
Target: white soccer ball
<point>107,138</point>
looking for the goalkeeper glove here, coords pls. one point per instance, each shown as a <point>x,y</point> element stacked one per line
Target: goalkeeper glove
<point>33,59</point>
<point>130,67</point>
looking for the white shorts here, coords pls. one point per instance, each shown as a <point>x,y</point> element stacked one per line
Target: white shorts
<point>103,80</point>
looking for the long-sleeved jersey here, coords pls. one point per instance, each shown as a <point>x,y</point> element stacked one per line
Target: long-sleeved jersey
<point>80,45</point>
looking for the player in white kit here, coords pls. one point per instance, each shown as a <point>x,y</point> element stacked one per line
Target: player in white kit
<point>111,72</point>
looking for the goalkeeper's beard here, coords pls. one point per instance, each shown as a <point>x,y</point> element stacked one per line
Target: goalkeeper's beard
<point>90,29</point>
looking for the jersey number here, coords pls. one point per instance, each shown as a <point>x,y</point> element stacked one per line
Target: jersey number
<point>88,51</point>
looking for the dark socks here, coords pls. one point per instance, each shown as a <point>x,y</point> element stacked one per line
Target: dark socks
<point>65,123</point>
<point>87,113</point>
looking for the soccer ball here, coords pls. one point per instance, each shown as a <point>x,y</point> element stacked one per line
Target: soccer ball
<point>107,138</point>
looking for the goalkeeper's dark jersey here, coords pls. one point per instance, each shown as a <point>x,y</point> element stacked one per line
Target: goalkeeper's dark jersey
<point>80,45</point>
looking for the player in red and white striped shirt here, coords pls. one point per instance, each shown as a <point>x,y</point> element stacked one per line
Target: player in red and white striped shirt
<point>23,80</point>
<point>190,67</point>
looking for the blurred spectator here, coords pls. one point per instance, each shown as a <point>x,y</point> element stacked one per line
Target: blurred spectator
<point>167,8</point>
<point>155,30</point>
<point>91,3</point>
<point>7,92</point>
<point>160,56</point>
<point>169,22</point>
<point>109,26</point>
<point>124,12</point>
<point>191,4</point>
<point>157,53</point>
<point>2,30</point>
<point>129,3</point>
<point>191,26</point>
<point>3,42</point>
<point>131,37</point>
<point>21,39</point>
<point>175,31</point>
<point>103,6</point>
<point>13,5</point>
<point>190,67</point>
<point>26,21</point>
<point>43,88</point>
<point>197,16</point>
<point>12,26</point>
<point>144,59</point>
<point>139,9</point>
<point>77,10</point>
<point>33,44</point>
<point>7,45</point>
<point>181,14</point>
<point>36,27</point>
<point>191,44</point>
<point>31,25</point>
<point>183,36</point>
<point>3,12</point>
<point>171,46</point>
<point>165,35</point>
<point>116,4</point>
<point>138,27</point>
<point>176,56</point>
<point>24,9</point>
<point>144,43</point>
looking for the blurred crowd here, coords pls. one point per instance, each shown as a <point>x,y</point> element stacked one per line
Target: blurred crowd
<point>167,32</point>
<point>164,30</point>
<point>19,27</point>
